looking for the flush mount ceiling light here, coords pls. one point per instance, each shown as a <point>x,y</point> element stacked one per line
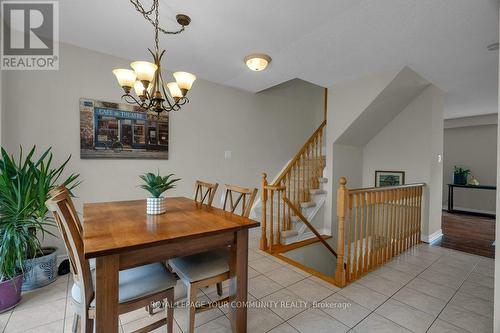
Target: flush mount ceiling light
<point>146,79</point>
<point>257,61</point>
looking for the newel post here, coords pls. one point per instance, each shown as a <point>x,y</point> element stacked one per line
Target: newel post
<point>340,274</point>
<point>263,215</point>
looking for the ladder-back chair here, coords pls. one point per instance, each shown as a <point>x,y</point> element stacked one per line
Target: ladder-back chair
<point>209,268</point>
<point>141,285</point>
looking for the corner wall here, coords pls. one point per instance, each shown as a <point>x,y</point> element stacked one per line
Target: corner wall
<point>263,131</point>
<point>411,142</point>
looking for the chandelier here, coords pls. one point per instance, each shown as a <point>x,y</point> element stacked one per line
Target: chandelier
<point>145,78</point>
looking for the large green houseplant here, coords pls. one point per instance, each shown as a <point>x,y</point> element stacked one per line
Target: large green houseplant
<point>24,185</point>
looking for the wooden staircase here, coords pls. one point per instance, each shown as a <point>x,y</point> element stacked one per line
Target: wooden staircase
<point>286,202</point>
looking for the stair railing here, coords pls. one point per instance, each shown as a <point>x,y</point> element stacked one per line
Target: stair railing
<point>374,225</point>
<point>295,182</point>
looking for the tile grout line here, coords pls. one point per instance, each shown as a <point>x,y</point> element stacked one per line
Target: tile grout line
<point>390,297</point>
<point>450,301</point>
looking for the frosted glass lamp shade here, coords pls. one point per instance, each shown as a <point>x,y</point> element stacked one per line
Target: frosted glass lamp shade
<point>257,62</point>
<point>184,80</point>
<point>145,70</point>
<point>174,90</point>
<point>125,77</point>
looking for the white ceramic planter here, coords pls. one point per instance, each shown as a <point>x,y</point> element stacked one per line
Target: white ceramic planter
<point>156,206</point>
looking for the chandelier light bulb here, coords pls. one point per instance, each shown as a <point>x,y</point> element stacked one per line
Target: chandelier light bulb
<point>257,62</point>
<point>126,77</point>
<point>145,70</point>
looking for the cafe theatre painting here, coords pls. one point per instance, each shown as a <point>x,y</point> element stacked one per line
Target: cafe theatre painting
<point>111,130</point>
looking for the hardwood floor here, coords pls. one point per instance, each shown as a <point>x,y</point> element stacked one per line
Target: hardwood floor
<point>468,233</point>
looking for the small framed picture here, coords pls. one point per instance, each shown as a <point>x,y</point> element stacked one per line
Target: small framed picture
<point>389,178</point>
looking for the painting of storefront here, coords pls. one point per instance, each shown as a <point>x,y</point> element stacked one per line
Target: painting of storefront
<point>112,130</point>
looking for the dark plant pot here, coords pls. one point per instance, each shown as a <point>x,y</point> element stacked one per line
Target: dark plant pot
<point>10,293</point>
<point>459,179</point>
<point>40,271</point>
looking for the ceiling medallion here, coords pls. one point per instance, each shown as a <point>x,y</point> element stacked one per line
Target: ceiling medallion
<point>257,61</point>
<point>145,78</point>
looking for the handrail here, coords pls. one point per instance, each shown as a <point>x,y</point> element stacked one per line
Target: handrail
<point>375,224</point>
<point>297,156</point>
<point>384,188</point>
<point>300,175</point>
<point>309,225</point>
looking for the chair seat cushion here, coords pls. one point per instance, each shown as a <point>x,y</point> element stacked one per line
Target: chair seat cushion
<point>201,266</point>
<point>136,282</point>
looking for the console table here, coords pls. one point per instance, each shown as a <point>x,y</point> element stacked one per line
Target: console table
<point>476,187</point>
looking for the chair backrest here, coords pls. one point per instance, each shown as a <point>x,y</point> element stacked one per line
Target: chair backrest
<point>61,206</point>
<point>205,191</point>
<point>245,196</point>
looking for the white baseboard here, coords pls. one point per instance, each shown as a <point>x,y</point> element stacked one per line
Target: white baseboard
<point>432,237</point>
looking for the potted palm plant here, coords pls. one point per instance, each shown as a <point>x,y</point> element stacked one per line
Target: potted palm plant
<point>24,186</point>
<point>156,185</point>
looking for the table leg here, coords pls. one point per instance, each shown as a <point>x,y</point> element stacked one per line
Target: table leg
<point>238,282</point>
<point>449,199</point>
<point>106,294</point>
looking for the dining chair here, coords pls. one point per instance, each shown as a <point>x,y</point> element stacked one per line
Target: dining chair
<point>212,267</point>
<point>138,287</point>
<point>205,191</point>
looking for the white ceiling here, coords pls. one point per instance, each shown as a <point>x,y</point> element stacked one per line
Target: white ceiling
<point>321,41</point>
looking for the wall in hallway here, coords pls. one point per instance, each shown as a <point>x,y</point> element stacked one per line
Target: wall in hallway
<point>475,147</point>
<point>263,131</point>
<point>411,142</point>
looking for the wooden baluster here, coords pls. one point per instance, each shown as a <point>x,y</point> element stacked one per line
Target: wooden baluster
<point>372,232</point>
<point>361,220</point>
<point>383,225</point>
<point>366,228</point>
<point>288,189</point>
<point>349,238</point>
<point>342,193</point>
<point>404,217</point>
<point>408,218</point>
<point>397,221</point>
<point>412,242</point>
<point>263,217</point>
<point>356,218</point>
<point>303,185</point>
<point>378,200</point>
<point>285,219</point>
<point>271,220</point>
<point>418,209</point>
<point>278,235</point>
<point>392,208</point>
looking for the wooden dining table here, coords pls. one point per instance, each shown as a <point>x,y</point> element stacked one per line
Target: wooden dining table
<point>120,235</point>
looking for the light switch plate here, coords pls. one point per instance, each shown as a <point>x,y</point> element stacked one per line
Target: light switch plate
<point>227,155</point>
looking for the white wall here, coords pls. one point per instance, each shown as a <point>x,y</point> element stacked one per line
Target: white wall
<point>263,130</point>
<point>411,142</point>
<point>474,147</point>
<point>496,308</point>
<point>346,102</point>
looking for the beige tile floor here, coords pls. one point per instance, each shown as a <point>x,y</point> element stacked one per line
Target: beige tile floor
<point>426,289</point>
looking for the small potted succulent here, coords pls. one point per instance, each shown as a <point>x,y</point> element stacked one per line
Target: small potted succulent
<point>156,185</point>
<point>460,175</point>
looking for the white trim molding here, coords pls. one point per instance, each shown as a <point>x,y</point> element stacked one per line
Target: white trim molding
<point>432,237</point>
